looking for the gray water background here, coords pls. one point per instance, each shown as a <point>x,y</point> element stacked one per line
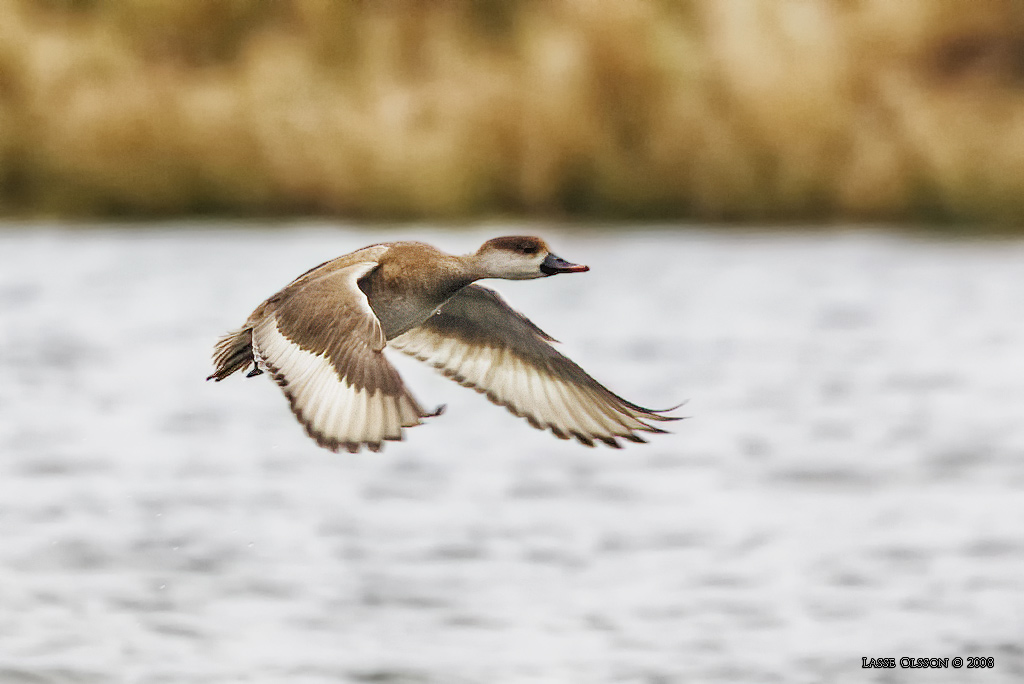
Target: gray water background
<point>850,481</point>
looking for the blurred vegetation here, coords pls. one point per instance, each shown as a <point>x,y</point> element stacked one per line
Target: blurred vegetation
<point>703,109</point>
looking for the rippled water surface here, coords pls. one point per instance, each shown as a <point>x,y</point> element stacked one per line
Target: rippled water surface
<point>850,483</point>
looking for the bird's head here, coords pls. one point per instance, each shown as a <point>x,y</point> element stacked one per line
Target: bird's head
<point>521,258</point>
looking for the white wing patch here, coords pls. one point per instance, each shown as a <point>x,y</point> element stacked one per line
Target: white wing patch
<point>334,412</point>
<point>576,407</point>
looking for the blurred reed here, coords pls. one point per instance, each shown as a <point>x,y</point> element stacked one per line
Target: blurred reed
<point>703,109</point>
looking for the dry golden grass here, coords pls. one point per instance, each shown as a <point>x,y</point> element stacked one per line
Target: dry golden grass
<point>705,109</point>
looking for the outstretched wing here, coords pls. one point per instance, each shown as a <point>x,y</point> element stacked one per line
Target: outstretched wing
<point>322,343</point>
<point>480,342</point>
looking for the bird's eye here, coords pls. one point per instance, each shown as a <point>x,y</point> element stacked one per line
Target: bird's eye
<point>528,250</point>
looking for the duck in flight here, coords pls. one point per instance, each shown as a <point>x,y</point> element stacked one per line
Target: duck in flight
<point>322,339</point>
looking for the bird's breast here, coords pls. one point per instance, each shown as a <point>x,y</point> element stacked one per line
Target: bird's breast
<point>403,299</point>
<point>399,314</point>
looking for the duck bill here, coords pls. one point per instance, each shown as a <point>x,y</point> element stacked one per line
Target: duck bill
<point>553,264</point>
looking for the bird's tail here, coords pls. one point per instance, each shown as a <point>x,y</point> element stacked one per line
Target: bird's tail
<point>233,353</point>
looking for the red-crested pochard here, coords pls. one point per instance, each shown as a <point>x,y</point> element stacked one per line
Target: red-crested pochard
<point>322,339</point>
